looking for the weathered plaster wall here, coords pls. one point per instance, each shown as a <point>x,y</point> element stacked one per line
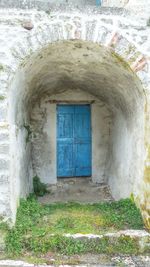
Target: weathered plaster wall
<point>101,128</point>
<point>120,31</point>
<point>120,158</point>
<point>43,125</point>
<point>20,146</point>
<point>44,148</point>
<point>125,155</point>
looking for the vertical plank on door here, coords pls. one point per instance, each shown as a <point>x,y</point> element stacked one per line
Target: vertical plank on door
<point>82,140</point>
<point>65,141</point>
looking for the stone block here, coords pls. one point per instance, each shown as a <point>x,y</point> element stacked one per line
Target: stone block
<point>4,178</point>
<point>4,164</point>
<point>4,208</point>
<point>4,149</point>
<point>4,137</point>
<point>3,113</point>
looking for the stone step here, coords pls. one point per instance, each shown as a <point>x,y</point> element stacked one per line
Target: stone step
<point>77,190</point>
<point>141,237</point>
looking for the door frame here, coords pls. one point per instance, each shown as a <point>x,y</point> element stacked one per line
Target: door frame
<point>49,170</point>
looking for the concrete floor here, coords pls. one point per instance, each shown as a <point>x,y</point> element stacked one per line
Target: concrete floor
<point>81,190</point>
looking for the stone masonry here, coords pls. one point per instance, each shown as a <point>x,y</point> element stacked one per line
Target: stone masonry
<point>25,31</point>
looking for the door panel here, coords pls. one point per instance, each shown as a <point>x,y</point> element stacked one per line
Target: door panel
<point>83,159</point>
<point>65,164</point>
<point>65,141</point>
<point>65,122</point>
<point>82,140</point>
<point>82,121</point>
<point>73,140</point>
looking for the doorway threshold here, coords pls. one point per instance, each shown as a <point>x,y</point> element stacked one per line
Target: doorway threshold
<point>77,189</point>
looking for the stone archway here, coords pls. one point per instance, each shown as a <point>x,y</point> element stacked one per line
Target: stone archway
<point>35,57</point>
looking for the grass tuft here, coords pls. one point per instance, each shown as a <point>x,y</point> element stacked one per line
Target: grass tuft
<point>40,228</point>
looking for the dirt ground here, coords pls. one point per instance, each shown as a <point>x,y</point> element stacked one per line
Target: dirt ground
<point>81,190</point>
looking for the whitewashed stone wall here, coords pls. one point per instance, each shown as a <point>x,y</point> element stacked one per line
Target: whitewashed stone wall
<point>45,4</point>
<point>123,32</point>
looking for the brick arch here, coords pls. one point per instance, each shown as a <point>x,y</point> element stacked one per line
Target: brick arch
<point>96,29</point>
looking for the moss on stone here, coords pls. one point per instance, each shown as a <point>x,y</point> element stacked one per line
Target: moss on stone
<point>29,132</point>
<point>121,61</point>
<point>147,174</point>
<point>39,188</point>
<point>148,22</point>
<point>48,12</point>
<point>145,212</point>
<point>2,97</point>
<point>147,167</point>
<point>1,67</point>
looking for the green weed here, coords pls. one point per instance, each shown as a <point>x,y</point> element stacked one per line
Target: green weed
<point>38,187</point>
<point>71,246</point>
<point>1,67</point>
<point>39,228</point>
<point>148,22</point>
<point>2,97</point>
<point>29,132</point>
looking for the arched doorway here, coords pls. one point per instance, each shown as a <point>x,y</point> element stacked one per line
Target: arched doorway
<point>102,65</point>
<point>77,72</point>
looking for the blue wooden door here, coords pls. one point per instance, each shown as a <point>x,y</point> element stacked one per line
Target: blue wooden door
<point>73,140</point>
<point>98,2</point>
